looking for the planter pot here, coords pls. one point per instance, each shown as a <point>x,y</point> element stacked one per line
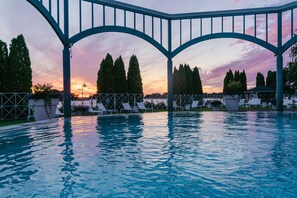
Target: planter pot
<point>42,112</point>
<point>216,108</point>
<point>232,102</point>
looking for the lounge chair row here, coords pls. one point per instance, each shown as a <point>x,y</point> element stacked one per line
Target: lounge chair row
<point>126,108</point>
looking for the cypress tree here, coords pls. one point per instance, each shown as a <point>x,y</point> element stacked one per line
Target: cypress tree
<point>228,78</point>
<point>19,70</point>
<point>3,66</point>
<point>120,82</point>
<point>189,79</point>
<point>134,80</point>
<point>291,74</point>
<point>260,80</point>
<point>243,81</point>
<point>175,81</point>
<point>237,75</point>
<point>197,85</point>
<point>105,82</point>
<point>182,80</point>
<point>271,79</point>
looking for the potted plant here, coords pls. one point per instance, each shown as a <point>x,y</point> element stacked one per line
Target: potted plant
<point>44,101</point>
<point>216,105</point>
<point>231,96</point>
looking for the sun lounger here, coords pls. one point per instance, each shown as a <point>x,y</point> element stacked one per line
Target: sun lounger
<point>142,107</point>
<point>175,106</point>
<point>101,108</point>
<point>126,108</point>
<point>254,102</point>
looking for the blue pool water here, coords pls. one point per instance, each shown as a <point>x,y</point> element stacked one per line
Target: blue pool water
<point>209,154</point>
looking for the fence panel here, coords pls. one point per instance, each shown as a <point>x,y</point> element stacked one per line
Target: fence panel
<point>13,106</point>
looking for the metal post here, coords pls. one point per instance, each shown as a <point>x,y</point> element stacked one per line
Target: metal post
<point>279,82</point>
<point>67,81</point>
<point>66,64</point>
<point>115,102</point>
<point>279,68</point>
<point>170,85</point>
<point>169,70</point>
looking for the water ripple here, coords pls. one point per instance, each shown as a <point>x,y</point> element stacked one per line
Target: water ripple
<point>209,154</point>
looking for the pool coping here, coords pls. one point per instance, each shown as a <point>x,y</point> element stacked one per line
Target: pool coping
<point>26,125</point>
<point>42,122</point>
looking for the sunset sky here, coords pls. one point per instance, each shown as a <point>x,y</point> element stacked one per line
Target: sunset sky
<point>213,57</point>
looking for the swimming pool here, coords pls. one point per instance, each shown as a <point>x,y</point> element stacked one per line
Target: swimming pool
<point>211,154</point>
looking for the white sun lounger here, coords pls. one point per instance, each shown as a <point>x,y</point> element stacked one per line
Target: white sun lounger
<point>254,102</point>
<point>127,107</point>
<point>175,106</point>
<point>102,108</point>
<point>142,107</point>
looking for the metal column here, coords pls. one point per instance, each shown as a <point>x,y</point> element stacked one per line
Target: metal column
<point>170,85</point>
<point>279,67</point>
<point>279,82</point>
<point>169,70</point>
<point>66,64</point>
<point>66,82</point>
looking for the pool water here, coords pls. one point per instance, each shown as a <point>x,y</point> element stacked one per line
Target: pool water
<point>209,154</point>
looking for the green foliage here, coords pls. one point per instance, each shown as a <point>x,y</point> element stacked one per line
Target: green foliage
<point>186,81</point>
<point>4,80</point>
<point>234,87</point>
<point>44,91</point>
<point>120,83</point>
<point>105,82</point>
<point>292,68</point>
<point>175,81</point>
<point>19,70</point>
<point>134,80</point>
<point>189,79</point>
<point>197,84</point>
<point>271,79</point>
<point>243,81</point>
<point>260,81</point>
<point>237,77</point>
<point>228,78</point>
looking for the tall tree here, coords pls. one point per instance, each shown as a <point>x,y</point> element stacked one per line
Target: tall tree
<point>105,82</point>
<point>260,81</point>
<point>243,81</point>
<point>134,80</point>
<point>228,78</point>
<point>189,79</point>
<point>197,84</point>
<point>271,79</point>
<point>292,68</point>
<point>120,82</point>
<point>181,80</point>
<point>19,70</point>
<point>237,75</point>
<point>4,80</point>
<point>175,81</point>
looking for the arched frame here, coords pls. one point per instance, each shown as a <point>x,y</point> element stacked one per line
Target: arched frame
<point>67,41</point>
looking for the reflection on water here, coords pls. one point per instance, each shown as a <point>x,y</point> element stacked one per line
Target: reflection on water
<point>212,154</point>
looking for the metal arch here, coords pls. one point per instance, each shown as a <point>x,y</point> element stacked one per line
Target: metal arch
<point>238,12</point>
<point>127,30</point>
<point>64,35</point>
<point>44,12</point>
<point>288,44</point>
<point>225,35</point>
